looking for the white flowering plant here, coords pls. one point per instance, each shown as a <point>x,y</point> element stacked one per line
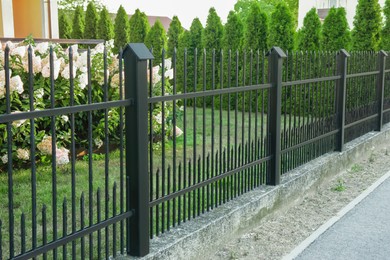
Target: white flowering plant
<point>61,72</point>
<point>157,115</point>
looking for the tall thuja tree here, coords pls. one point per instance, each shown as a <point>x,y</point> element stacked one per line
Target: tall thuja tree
<point>121,29</point>
<point>282,30</point>
<point>255,40</point>
<point>105,26</point>
<point>231,43</point>
<point>91,21</point>
<point>194,42</point>
<point>256,33</point>
<point>184,42</point>
<point>309,39</point>
<point>212,40</point>
<point>335,31</point>
<point>65,29</point>
<point>78,23</point>
<point>367,26</point>
<point>139,26</point>
<point>386,28</point>
<point>157,40</point>
<point>174,32</point>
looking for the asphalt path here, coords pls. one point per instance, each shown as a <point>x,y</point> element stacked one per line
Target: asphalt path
<point>362,233</point>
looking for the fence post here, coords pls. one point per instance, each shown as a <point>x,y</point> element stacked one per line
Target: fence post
<point>341,90</point>
<point>380,87</point>
<point>276,56</point>
<point>135,57</point>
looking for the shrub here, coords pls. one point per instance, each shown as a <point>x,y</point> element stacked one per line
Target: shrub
<point>139,26</point>
<point>157,40</point>
<point>310,33</point>
<point>121,29</point>
<point>91,22</point>
<point>367,26</point>
<point>174,32</point>
<point>78,23</point>
<point>105,26</point>
<point>335,31</point>
<point>65,30</point>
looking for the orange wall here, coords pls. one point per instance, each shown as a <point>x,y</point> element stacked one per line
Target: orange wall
<point>27,18</point>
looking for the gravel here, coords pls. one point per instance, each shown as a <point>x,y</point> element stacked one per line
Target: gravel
<point>279,233</point>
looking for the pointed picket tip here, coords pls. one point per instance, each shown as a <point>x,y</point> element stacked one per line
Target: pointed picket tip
<point>140,50</point>
<point>278,51</point>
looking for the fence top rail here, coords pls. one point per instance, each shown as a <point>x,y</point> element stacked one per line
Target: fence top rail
<point>208,93</point>
<point>307,81</point>
<point>24,115</point>
<point>362,74</point>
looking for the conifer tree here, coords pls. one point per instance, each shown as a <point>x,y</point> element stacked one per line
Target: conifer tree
<point>386,28</point>
<point>256,33</point>
<point>174,32</point>
<point>234,33</point>
<point>310,33</point>
<point>91,21</point>
<point>139,26</point>
<point>157,40</point>
<point>194,41</point>
<point>212,40</point>
<point>121,29</point>
<point>78,23</point>
<point>335,31</point>
<point>184,42</point>
<point>282,28</point>
<point>367,26</point>
<point>213,32</point>
<point>231,42</point>
<point>105,26</point>
<point>64,27</point>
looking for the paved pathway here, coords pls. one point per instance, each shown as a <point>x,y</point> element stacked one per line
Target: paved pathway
<point>362,233</point>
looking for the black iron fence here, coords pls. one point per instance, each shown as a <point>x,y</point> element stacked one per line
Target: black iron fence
<point>192,132</point>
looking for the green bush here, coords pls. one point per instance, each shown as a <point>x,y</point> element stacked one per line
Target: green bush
<point>78,23</point>
<point>367,26</point>
<point>105,26</point>
<point>310,33</point>
<point>121,29</point>
<point>174,32</point>
<point>156,40</point>
<point>91,22</point>
<point>139,26</point>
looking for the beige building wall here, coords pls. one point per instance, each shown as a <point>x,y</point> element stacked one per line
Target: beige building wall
<point>21,18</point>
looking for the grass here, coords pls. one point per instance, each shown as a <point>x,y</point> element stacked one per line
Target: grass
<point>22,198</point>
<point>340,186</point>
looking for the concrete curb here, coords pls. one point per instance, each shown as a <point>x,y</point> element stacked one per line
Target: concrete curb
<point>308,241</point>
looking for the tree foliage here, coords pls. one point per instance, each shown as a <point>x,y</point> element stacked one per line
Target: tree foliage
<point>71,5</point>
<point>156,39</point>
<point>256,33</point>
<point>65,30</point>
<point>367,25</point>
<point>174,32</point>
<point>234,33</point>
<point>121,29</point>
<point>282,28</point>
<point>105,26</point>
<point>310,33</point>
<point>242,7</point>
<point>78,23</point>
<point>386,28</point>
<point>335,31</point>
<point>91,22</point>
<point>139,26</point>
<point>213,32</point>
